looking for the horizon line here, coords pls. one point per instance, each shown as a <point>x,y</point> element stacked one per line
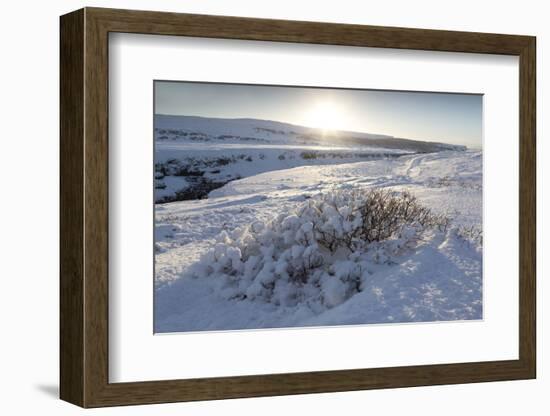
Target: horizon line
<point>385,136</point>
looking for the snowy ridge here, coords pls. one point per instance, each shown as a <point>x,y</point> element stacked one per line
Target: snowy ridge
<point>262,130</point>
<point>177,127</point>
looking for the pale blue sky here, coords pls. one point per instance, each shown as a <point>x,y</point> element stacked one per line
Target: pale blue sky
<point>449,118</point>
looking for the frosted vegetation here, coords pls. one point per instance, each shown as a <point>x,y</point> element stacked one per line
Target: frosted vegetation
<point>321,251</point>
<point>320,241</point>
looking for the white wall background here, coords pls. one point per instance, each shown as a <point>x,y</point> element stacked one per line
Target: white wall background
<point>29,158</point>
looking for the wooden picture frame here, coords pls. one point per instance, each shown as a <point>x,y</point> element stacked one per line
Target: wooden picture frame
<point>84,207</point>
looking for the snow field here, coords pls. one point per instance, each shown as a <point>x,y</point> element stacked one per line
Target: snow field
<point>248,256</point>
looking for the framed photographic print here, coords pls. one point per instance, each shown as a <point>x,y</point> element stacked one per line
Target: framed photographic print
<point>255,207</point>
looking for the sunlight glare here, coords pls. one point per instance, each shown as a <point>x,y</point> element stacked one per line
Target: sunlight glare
<point>326,116</point>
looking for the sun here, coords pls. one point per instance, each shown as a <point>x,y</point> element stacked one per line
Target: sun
<point>325,115</point>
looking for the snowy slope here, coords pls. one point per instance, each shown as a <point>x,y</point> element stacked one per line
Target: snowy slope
<point>192,128</point>
<point>437,279</point>
<point>245,129</point>
<point>194,155</point>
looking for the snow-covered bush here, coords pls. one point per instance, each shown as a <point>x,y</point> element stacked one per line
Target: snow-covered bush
<point>323,250</point>
<point>472,234</point>
<point>356,218</point>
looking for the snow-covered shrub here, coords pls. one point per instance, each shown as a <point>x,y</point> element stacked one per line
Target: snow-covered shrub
<point>473,234</point>
<point>322,250</point>
<point>358,217</point>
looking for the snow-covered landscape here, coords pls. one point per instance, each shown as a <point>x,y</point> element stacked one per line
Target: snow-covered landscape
<point>262,224</point>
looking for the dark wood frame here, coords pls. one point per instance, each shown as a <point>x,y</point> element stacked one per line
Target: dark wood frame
<point>84,207</point>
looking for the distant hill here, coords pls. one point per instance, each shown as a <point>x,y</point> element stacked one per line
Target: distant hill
<point>172,127</point>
